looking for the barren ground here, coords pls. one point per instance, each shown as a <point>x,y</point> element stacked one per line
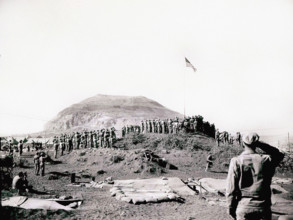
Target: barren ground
<point>124,164</point>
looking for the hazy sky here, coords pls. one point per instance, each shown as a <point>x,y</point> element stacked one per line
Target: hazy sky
<point>55,53</point>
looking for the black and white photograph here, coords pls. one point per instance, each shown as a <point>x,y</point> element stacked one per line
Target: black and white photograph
<point>146,109</point>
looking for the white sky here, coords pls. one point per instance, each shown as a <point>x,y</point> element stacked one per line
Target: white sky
<point>55,53</point>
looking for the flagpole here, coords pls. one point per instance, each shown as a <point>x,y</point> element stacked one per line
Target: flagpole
<point>184,89</point>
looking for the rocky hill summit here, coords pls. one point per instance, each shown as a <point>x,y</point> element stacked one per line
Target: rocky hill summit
<point>105,111</point>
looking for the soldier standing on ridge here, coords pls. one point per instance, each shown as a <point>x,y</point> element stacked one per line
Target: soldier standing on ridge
<point>78,140</point>
<point>95,137</point>
<point>150,126</point>
<point>70,142</point>
<point>123,131</point>
<point>170,126</point>
<point>155,128</point>
<point>67,142</point>
<point>56,145</point>
<point>86,135</point>
<point>238,138</point>
<point>92,139</point>
<point>142,127</point>
<point>102,133</point>
<point>112,137</point>
<point>127,129</point>
<point>146,126</point>
<point>62,140</point>
<point>106,138</point>
<point>82,141</point>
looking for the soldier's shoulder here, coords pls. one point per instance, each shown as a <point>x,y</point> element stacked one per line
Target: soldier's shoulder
<point>235,159</point>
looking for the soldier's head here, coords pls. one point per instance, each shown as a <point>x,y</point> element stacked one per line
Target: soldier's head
<point>20,174</point>
<point>250,140</point>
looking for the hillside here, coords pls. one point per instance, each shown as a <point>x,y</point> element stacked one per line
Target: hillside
<point>183,155</point>
<point>104,111</point>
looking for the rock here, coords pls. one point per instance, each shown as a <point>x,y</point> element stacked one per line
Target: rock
<point>153,170</point>
<point>85,176</point>
<point>117,158</point>
<point>53,177</point>
<point>109,180</point>
<point>100,172</point>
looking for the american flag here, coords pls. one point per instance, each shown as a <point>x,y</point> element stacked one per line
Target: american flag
<point>188,64</point>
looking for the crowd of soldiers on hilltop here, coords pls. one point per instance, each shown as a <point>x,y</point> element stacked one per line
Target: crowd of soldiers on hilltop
<point>104,138</point>
<point>171,126</point>
<point>227,138</point>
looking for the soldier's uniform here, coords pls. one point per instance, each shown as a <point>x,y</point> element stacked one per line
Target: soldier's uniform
<point>238,138</point>
<point>10,145</point>
<point>96,138</point>
<point>226,137</point>
<point>101,138</point>
<point>112,137</point>
<point>91,139</point>
<point>209,162</point>
<point>70,142</point>
<point>191,121</point>
<point>66,142</point>
<point>175,127</point>
<point>20,147</point>
<point>150,126</point>
<point>106,138</point>
<point>82,141</point>
<point>78,140</point>
<point>159,126</point>
<point>170,126</point>
<point>249,178</point>
<point>163,124</point>
<point>56,146</point>
<point>142,127</point>
<point>42,163</point>
<point>37,163</point>
<point>146,126</point>
<point>86,134</point>
<point>155,130</point>
<point>217,137</point>
<point>62,140</point>
<point>123,131</point>
<point>195,125</point>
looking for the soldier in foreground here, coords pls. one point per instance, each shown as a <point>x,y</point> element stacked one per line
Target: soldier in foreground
<point>248,189</point>
<point>19,183</point>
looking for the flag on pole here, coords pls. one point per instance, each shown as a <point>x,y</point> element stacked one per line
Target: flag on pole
<point>188,64</point>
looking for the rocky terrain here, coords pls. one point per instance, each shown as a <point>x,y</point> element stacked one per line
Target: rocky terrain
<point>104,111</point>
